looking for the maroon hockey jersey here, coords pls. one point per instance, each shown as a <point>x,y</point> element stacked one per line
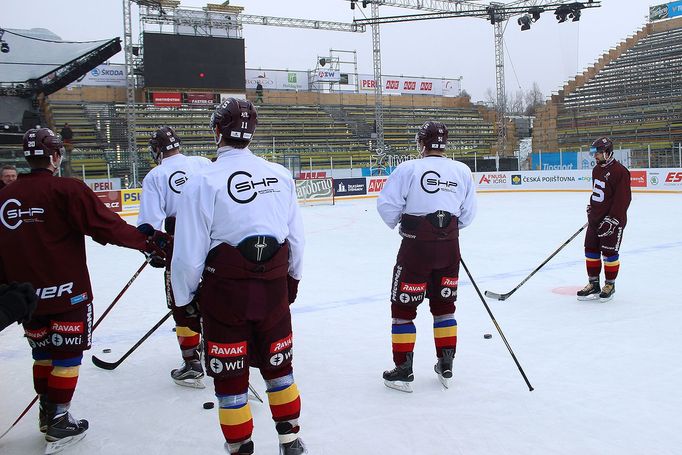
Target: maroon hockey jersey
<point>43,224</point>
<point>611,193</point>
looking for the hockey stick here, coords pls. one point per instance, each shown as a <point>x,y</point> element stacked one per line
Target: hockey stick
<point>118,297</point>
<point>497,326</point>
<point>496,296</point>
<point>112,365</point>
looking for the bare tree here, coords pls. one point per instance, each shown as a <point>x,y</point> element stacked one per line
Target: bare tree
<point>515,103</point>
<point>534,98</point>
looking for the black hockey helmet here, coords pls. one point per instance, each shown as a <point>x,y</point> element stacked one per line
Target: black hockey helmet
<point>234,120</point>
<point>162,140</point>
<point>42,142</point>
<point>432,135</point>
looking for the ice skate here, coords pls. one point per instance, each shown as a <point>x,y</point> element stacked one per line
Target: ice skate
<point>443,367</point>
<point>607,292</point>
<point>245,449</point>
<point>189,374</point>
<point>295,447</point>
<point>63,430</point>
<point>590,292</point>
<point>399,378</point>
<point>42,415</point>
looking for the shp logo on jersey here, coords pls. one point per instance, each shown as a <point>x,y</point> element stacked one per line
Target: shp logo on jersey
<point>227,349</point>
<point>176,180</point>
<point>12,214</point>
<point>242,188</point>
<point>432,183</point>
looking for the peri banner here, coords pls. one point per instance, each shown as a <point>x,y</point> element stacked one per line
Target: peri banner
<point>277,80</point>
<point>111,184</point>
<point>103,75</point>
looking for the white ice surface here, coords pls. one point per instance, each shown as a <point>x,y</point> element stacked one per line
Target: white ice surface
<point>607,376</point>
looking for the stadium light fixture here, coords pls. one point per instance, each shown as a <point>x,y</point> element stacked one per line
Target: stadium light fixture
<point>4,47</point>
<point>524,21</point>
<point>352,4</point>
<point>535,11</point>
<point>561,12</point>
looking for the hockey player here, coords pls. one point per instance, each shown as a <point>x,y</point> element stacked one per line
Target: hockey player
<point>239,225</point>
<point>44,221</point>
<point>606,219</point>
<point>161,189</point>
<point>432,198</point>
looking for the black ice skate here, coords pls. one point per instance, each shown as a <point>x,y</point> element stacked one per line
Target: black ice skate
<point>42,414</point>
<point>189,374</point>
<point>444,367</point>
<point>286,432</point>
<point>399,378</point>
<point>590,292</point>
<point>62,430</point>
<point>607,291</point>
<point>295,447</point>
<point>244,449</point>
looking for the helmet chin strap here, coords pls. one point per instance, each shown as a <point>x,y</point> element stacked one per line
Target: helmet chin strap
<point>55,164</point>
<point>217,136</point>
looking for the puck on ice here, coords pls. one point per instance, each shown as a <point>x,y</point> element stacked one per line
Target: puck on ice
<point>208,405</point>
<point>487,336</point>
<point>106,351</point>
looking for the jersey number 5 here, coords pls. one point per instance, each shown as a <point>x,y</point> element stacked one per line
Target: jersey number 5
<point>598,191</point>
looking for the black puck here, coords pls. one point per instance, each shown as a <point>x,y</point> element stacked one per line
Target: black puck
<point>487,336</point>
<point>106,351</point>
<point>208,405</point>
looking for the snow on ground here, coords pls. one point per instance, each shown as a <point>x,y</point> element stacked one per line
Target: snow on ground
<point>606,376</point>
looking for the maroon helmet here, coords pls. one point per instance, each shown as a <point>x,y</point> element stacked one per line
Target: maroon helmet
<point>433,135</point>
<point>603,145</point>
<point>42,142</point>
<point>163,140</point>
<point>235,120</point>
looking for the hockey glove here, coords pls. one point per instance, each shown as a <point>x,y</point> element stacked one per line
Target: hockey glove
<point>159,248</point>
<point>292,288</point>
<point>18,301</point>
<point>589,207</point>
<point>607,227</point>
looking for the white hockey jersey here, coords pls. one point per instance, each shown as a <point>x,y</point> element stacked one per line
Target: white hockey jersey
<point>238,196</point>
<point>162,186</point>
<point>422,186</point>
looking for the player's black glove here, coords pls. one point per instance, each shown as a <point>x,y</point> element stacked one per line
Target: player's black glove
<point>159,246</point>
<point>17,302</point>
<point>292,288</point>
<point>589,207</point>
<point>607,227</point>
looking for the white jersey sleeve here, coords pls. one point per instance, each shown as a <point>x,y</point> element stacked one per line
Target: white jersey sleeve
<point>295,237</point>
<point>152,210</point>
<point>192,240</point>
<point>393,197</point>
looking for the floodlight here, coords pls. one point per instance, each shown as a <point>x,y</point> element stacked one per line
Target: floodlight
<point>535,12</point>
<point>524,21</point>
<point>4,47</point>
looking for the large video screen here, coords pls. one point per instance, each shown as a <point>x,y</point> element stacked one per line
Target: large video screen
<point>182,61</point>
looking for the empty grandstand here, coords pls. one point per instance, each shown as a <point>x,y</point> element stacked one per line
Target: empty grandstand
<point>632,94</point>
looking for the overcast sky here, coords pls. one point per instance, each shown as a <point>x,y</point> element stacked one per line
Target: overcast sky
<point>549,53</point>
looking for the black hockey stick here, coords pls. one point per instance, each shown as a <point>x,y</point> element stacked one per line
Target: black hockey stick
<point>496,296</point>
<point>497,326</point>
<point>112,365</point>
<point>116,299</point>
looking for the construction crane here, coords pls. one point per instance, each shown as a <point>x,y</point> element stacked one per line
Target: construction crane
<point>496,12</point>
